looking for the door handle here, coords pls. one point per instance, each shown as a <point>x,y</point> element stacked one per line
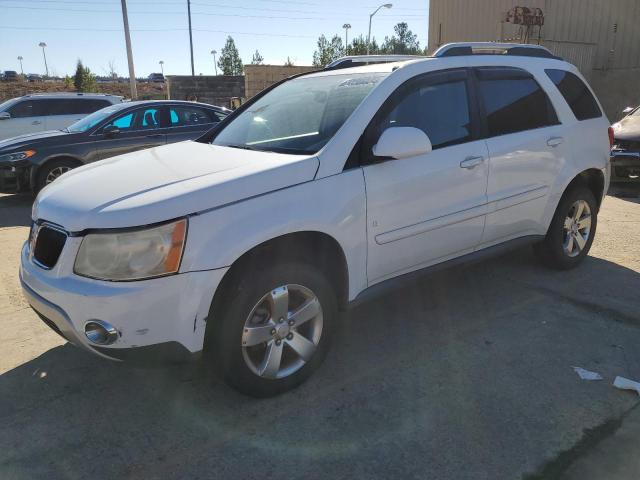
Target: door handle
<point>36,122</point>
<point>471,162</point>
<point>555,141</point>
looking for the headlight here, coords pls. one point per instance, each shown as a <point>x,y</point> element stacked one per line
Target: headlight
<point>132,255</point>
<point>14,157</point>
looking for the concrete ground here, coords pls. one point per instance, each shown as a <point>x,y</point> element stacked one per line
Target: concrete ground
<point>466,374</point>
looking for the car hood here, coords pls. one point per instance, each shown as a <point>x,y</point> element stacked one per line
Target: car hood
<point>165,182</point>
<point>29,139</point>
<point>628,128</point>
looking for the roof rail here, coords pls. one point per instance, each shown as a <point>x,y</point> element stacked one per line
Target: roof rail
<point>493,48</point>
<point>358,60</point>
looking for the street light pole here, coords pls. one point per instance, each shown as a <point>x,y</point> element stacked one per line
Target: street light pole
<point>20,60</point>
<point>386,5</point>
<point>346,27</point>
<point>161,67</point>
<point>193,72</point>
<point>127,39</point>
<point>215,65</point>
<point>46,68</point>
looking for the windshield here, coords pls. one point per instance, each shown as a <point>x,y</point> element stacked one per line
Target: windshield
<point>301,115</point>
<point>5,105</point>
<point>89,121</point>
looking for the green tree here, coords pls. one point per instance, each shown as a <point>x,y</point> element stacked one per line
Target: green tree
<point>327,50</point>
<point>257,58</point>
<point>404,42</point>
<point>230,62</point>
<point>358,46</point>
<point>84,80</point>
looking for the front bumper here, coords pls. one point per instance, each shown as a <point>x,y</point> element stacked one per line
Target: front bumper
<point>625,166</point>
<point>161,317</point>
<point>14,177</point>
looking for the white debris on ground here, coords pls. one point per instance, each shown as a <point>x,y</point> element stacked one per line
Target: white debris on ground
<point>626,384</point>
<point>586,374</point>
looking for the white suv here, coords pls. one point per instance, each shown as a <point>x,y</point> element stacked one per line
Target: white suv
<point>317,192</point>
<point>49,111</point>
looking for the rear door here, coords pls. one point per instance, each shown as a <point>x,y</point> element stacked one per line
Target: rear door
<point>188,122</point>
<point>526,148</point>
<point>140,128</point>
<point>27,116</point>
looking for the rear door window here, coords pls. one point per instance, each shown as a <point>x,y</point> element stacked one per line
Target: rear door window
<point>576,93</point>
<point>187,116</point>
<point>513,101</point>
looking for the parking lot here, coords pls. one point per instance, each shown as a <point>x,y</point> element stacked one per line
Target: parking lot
<point>466,374</point>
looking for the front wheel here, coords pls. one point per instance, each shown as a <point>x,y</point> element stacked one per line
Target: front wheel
<point>572,230</point>
<point>51,171</point>
<point>273,329</point>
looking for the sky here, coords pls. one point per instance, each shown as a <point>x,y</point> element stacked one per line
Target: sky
<point>92,30</point>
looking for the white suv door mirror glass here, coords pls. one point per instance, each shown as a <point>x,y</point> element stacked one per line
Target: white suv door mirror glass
<point>5,115</point>
<point>402,142</point>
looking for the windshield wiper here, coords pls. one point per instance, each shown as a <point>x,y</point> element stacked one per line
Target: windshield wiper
<point>241,146</point>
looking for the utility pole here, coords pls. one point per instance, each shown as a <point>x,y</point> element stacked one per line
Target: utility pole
<point>46,68</point>
<point>161,67</point>
<point>127,38</point>
<point>20,60</point>
<point>346,27</point>
<point>193,72</point>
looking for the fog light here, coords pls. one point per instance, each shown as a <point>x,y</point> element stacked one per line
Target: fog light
<point>100,333</point>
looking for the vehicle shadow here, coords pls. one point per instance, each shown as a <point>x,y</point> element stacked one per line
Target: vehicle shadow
<point>15,210</point>
<point>626,191</point>
<point>465,374</point>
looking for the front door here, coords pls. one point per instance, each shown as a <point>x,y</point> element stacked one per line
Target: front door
<point>138,129</point>
<point>428,208</point>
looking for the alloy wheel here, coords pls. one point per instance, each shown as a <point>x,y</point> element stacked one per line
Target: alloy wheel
<point>54,173</point>
<point>576,228</point>
<point>282,332</point>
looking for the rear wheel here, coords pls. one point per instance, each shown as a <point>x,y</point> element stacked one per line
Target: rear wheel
<point>572,229</point>
<point>51,171</point>
<point>273,329</point>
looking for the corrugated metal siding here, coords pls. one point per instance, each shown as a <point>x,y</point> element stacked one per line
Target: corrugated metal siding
<point>582,29</point>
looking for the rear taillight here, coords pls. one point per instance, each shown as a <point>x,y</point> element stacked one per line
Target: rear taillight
<point>611,137</point>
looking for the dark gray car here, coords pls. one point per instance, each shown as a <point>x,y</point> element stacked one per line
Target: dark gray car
<point>34,160</point>
<point>625,154</point>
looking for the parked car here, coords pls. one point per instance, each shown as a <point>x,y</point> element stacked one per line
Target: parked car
<point>10,76</point>
<point>156,78</point>
<point>36,160</point>
<point>50,111</point>
<point>34,77</point>
<point>314,195</point>
<point>625,154</point>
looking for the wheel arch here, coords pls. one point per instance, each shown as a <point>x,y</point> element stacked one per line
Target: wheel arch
<point>594,179</point>
<point>315,247</point>
<point>36,169</point>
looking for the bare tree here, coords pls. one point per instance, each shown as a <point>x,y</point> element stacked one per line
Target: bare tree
<point>111,69</point>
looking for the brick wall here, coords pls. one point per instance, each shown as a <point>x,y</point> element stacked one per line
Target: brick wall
<point>215,90</point>
<point>259,77</point>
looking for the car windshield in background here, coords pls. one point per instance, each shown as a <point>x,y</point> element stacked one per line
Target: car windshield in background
<point>300,116</point>
<point>89,121</point>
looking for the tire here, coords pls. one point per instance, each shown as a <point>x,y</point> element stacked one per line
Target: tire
<point>558,250</point>
<point>51,169</point>
<point>239,351</point>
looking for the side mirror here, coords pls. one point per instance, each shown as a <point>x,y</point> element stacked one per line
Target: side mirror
<point>110,131</point>
<point>402,142</point>
<point>628,110</point>
<point>5,115</point>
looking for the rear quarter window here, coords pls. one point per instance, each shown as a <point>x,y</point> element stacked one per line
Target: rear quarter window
<point>576,94</point>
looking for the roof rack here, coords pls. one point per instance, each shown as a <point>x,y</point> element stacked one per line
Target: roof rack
<point>359,60</point>
<point>493,48</point>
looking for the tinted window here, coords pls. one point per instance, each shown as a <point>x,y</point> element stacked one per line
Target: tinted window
<point>441,111</point>
<point>141,119</point>
<point>24,109</point>
<point>513,101</point>
<point>576,93</point>
<point>183,116</point>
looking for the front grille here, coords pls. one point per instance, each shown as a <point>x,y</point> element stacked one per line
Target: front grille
<point>49,243</point>
<point>627,145</point>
